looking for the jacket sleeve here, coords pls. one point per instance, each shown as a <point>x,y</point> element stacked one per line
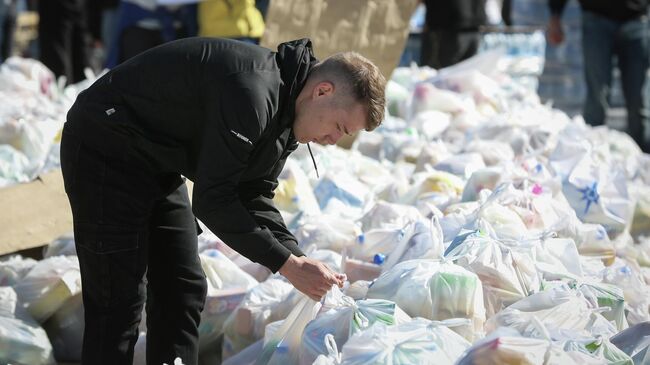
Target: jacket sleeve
<point>261,207</point>
<point>557,6</point>
<point>233,127</point>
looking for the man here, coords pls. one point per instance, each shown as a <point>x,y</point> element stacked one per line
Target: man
<point>611,28</point>
<point>226,115</point>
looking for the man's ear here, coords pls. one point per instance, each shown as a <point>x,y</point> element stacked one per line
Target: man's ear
<point>323,88</point>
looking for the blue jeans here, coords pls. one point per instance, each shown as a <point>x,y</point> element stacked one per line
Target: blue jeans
<point>602,39</point>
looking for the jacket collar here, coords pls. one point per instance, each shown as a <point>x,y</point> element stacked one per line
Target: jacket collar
<point>296,59</point>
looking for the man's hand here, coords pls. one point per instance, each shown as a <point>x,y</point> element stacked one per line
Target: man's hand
<point>310,276</point>
<point>555,34</point>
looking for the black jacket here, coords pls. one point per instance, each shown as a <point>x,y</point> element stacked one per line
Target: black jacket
<point>614,9</point>
<point>217,111</point>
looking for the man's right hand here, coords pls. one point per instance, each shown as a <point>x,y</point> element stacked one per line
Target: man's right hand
<point>555,34</point>
<point>310,276</point>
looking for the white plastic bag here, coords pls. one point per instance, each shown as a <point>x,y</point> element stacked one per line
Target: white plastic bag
<point>560,309</point>
<point>602,295</point>
<point>247,356</point>
<point>594,186</point>
<point>428,97</point>
<point>373,242</point>
<point>600,348</point>
<point>389,215</point>
<point>330,258</point>
<point>421,240</point>
<point>485,178</point>
<point>48,285</point>
<point>462,165</point>
<point>344,321</point>
<point>263,304</point>
<point>333,357</point>
<point>343,187</point>
<point>416,342</point>
<point>507,275</point>
<point>434,290</point>
<point>493,152</point>
<point>635,341</point>
<point>22,342</point>
<point>627,276</point>
<point>257,271</point>
<point>431,123</point>
<point>507,347</point>
<point>433,182</point>
<point>327,232</point>
<point>63,245</point>
<point>65,330</point>
<point>294,193</point>
<point>14,268</point>
<point>221,273</point>
<point>283,346</point>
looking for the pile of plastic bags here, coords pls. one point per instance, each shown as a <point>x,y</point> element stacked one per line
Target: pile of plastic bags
<point>475,226</point>
<point>32,113</point>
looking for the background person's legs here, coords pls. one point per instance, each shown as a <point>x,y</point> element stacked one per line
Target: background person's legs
<point>632,51</point>
<point>135,40</point>
<point>78,49</point>
<point>444,48</point>
<point>61,38</point>
<point>176,285</point>
<point>597,47</point>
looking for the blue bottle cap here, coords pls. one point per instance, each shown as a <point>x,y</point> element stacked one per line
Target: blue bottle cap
<point>361,238</point>
<point>379,258</point>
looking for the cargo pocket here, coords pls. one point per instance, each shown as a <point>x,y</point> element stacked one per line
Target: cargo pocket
<point>112,264</point>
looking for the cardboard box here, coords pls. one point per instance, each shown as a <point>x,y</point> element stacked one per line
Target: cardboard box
<point>33,214</point>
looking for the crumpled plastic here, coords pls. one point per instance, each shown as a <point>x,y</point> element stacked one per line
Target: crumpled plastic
<point>563,312</point>
<point>435,290</point>
<point>344,321</point>
<point>22,341</point>
<point>282,347</point>
<point>227,286</point>
<point>416,342</point>
<point>635,342</point>
<point>506,274</point>
<point>267,302</point>
<point>48,285</point>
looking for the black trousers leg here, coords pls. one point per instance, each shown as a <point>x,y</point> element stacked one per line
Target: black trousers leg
<point>176,286</point>
<point>121,213</point>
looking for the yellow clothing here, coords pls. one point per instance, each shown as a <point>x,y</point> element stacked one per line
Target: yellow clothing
<point>230,19</point>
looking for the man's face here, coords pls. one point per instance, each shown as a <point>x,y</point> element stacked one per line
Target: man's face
<point>322,120</point>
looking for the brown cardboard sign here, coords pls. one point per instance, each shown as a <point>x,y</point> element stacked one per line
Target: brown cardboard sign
<point>34,213</point>
<point>377,29</point>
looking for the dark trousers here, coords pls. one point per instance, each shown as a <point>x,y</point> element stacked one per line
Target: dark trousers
<point>61,34</point>
<point>443,48</point>
<point>602,39</point>
<point>136,240</point>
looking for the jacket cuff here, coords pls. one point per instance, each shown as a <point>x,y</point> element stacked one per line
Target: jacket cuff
<point>276,257</point>
<point>292,246</point>
<point>258,246</point>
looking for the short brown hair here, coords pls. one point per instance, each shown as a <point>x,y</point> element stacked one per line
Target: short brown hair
<point>362,80</point>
